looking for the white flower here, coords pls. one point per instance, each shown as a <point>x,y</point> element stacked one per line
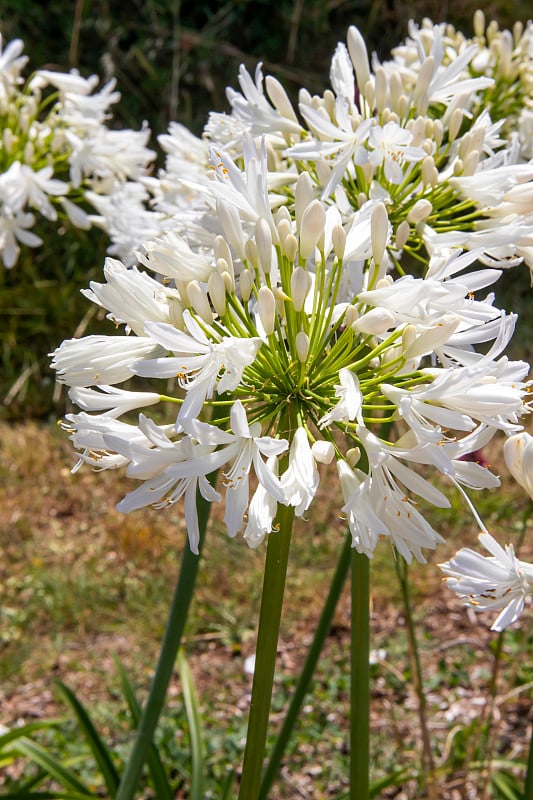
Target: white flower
<point>198,361</point>
<point>349,405</point>
<point>391,146</point>
<point>242,448</point>
<point>499,582</point>
<point>101,360</point>
<point>300,480</point>
<point>261,511</point>
<point>113,401</point>
<point>131,297</point>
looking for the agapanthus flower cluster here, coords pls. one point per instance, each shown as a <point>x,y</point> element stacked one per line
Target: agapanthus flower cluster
<point>317,299</point>
<point>58,158</point>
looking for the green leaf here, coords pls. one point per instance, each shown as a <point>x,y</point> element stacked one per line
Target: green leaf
<point>25,730</point>
<point>157,771</point>
<point>51,765</point>
<point>195,728</point>
<point>97,746</point>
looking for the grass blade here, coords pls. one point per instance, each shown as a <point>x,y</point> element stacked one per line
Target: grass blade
<point>51,765</point>
<point>96,745</point>
<point>195,728</point>
<point>157,771</point>
<point>25,730</point>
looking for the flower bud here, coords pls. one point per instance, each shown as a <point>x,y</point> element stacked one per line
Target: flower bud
<point>359,56</point>
<point>456,120</point>
<point>381,90</point>
<point>311,228</point>
<point>198,299</point>
<point>290,246</point>
<point>420,211</point>
<point>245,284</point>
<point>252,253</point>
<point>266,304</point>
<point>402,234</point>
<point>263,239</point>
<point>338,240</point>
<point>302,346</point>
<point>223,250</point>
<point>479,23</point>
<point>217,292</point>
<point>300,285</point>
<point>323,451</point>
<point>353,455</point>
<point>279,98</point>
<point>304,194</point>
<point>379,230</point>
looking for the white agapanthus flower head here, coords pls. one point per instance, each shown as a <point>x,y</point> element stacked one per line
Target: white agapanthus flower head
<point>312,297</point>
<point>59,155</point>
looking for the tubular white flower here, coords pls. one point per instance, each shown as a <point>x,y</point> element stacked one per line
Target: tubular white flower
<point>499,582</point>
<point>300,480</point>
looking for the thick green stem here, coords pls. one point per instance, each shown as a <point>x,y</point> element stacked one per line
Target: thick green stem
<point>267,644</point>
<point>304,679</point>
<point>167,658</point>
<point>360,679</point>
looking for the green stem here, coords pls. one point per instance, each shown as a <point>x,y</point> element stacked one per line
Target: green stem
<point>428,763</point>
<point>360,679</point>
<point>528,788</point>
<point>267,644</point>
<point>167,658</point>
<point>304,679</point>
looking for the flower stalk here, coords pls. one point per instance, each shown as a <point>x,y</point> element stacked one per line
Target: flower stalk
<point>360,679</point>
<point>167,658</point>
<point>267,644</point>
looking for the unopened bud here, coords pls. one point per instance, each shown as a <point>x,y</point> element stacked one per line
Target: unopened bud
<point>381,90</point>
<point>302,346</point>
<point>338,240</point>
<point>266,304</point>
<point>198,299</point>
<point>402,234</point>
<point>279,98</point>
<point>420,211</point>
<point>479,23</point>
<point>456,120</point>
<point>217,292</point>
<point>263,239</point>
<point>300,285</point>
<point>379,231</point>
<point>311,228</point>
<point>353,455</point>
<point>323,452</point>
<point>245,284</point>
<point>252,253</point>
<point>359,56</point>
<point>223,250</point>
<point>290,247</point>
<point>304,194</point>
<point>350,315</point>
<point>471,163</point>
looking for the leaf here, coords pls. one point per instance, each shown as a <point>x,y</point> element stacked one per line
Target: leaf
<point>157,771</point>
<point>195,728</point>
<point>51,765</point>
<point>99,750</point>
